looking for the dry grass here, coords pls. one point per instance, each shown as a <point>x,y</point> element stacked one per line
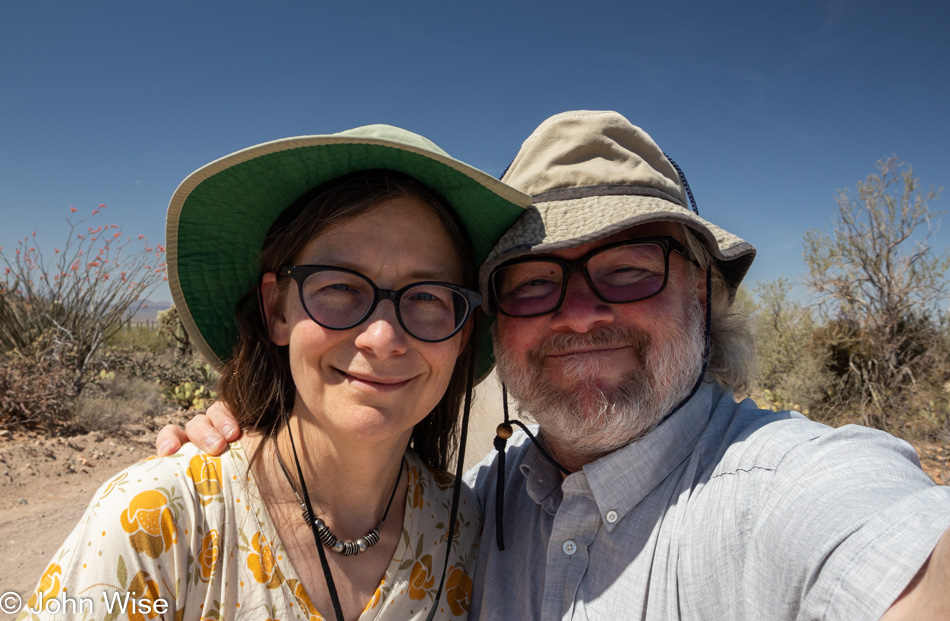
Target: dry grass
<point>114,402</point>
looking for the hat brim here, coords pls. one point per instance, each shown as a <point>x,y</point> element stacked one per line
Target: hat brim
<point>220,214</point>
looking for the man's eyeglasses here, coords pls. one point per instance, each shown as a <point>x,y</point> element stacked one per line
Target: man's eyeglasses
<point>338,299</point>
<point>627,271</point>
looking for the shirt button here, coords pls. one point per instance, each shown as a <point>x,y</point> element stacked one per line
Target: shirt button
<point>569,547</point>
<point>611,516</point>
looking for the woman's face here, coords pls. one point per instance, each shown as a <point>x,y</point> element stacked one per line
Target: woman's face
<point>373,381</point>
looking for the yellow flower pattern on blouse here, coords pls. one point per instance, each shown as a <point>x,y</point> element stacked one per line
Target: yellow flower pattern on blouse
<point>205,473</point>
<point>458,590</point>
<point>208,555</point>
<point>421,578</point>
<point>304,601</point>
<point>375,599</point>
<point>143,587</point>
<point>150,523</point>
<point>191,531</point>
<point>262,564</point>
<point>417,489</point>
<point>49,587</point>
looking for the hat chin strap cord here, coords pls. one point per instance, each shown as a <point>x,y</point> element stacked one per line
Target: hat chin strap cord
<point>689,193</point>
<point>504,431</point>
<point>459,471</point>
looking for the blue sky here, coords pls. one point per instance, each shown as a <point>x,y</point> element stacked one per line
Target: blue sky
<point>768,107</point>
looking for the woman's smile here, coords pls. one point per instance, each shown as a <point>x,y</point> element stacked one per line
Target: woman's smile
<point>374,382</point>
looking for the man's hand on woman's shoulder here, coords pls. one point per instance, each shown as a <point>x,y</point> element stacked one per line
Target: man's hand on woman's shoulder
<point>211,432</point>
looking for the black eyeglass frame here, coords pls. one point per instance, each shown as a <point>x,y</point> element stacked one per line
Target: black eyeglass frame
<point>300,273</point>
<point>579,265</point>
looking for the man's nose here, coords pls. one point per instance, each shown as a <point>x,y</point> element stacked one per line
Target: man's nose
<point>581,309</point>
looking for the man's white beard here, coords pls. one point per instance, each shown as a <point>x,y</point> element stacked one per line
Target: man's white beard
<point>581,420</point>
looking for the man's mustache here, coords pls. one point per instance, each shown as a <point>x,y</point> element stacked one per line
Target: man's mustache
<point>607,337</point>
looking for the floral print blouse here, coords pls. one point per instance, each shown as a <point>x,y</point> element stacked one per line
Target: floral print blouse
<point>187,537</point>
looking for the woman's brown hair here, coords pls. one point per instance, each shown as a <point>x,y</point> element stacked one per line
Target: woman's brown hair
<point>256,382</point>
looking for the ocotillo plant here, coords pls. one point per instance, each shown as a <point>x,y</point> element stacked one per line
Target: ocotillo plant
<point>62,309</point>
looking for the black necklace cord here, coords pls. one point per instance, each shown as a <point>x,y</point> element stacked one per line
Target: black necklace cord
<point>534,439</point>
<point>459,471</point>
<point>337,608</point>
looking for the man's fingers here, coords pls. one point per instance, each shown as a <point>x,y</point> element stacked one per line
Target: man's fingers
<point>211,432</point>
<point>169,440</point>
<point>220,417</point>
<point>204,435</point>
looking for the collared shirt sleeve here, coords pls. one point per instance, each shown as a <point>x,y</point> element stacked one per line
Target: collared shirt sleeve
<point>853,517</point>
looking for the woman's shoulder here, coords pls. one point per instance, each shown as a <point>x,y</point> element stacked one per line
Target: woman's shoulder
<point>157,526</point>
<point>189,467</point>
<point>190,479</point>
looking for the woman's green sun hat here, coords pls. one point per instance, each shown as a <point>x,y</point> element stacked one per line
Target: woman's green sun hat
<point>219,215</point>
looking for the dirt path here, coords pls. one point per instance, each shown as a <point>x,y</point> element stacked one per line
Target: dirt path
<point>45,486</point>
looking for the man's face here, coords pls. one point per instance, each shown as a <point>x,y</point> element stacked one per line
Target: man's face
<point>597,375</point>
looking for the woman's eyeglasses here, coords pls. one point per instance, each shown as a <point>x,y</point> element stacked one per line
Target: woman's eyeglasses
<point>627,271</point>
<point>338,299</point>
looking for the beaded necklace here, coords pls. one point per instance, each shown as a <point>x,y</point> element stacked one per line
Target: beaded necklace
<point>325,535</point>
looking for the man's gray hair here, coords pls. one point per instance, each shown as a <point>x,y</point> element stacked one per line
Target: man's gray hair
<point>732,345</point>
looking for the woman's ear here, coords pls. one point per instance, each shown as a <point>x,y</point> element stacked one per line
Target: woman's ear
<point>272,302</point>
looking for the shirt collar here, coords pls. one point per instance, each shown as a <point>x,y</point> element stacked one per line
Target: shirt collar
<point>542,479</point>
<point>620,480</point>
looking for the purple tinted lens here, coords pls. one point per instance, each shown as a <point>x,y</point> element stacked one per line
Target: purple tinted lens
<point>619,274</point>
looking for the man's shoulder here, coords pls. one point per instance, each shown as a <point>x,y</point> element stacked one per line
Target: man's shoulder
<point>756,438</point>
<point>749,432</point>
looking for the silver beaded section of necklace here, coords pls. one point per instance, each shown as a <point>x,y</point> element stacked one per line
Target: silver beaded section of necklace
<point>346,548</point>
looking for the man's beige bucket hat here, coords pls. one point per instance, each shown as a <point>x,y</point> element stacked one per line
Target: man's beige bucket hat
<point>593,174</point>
